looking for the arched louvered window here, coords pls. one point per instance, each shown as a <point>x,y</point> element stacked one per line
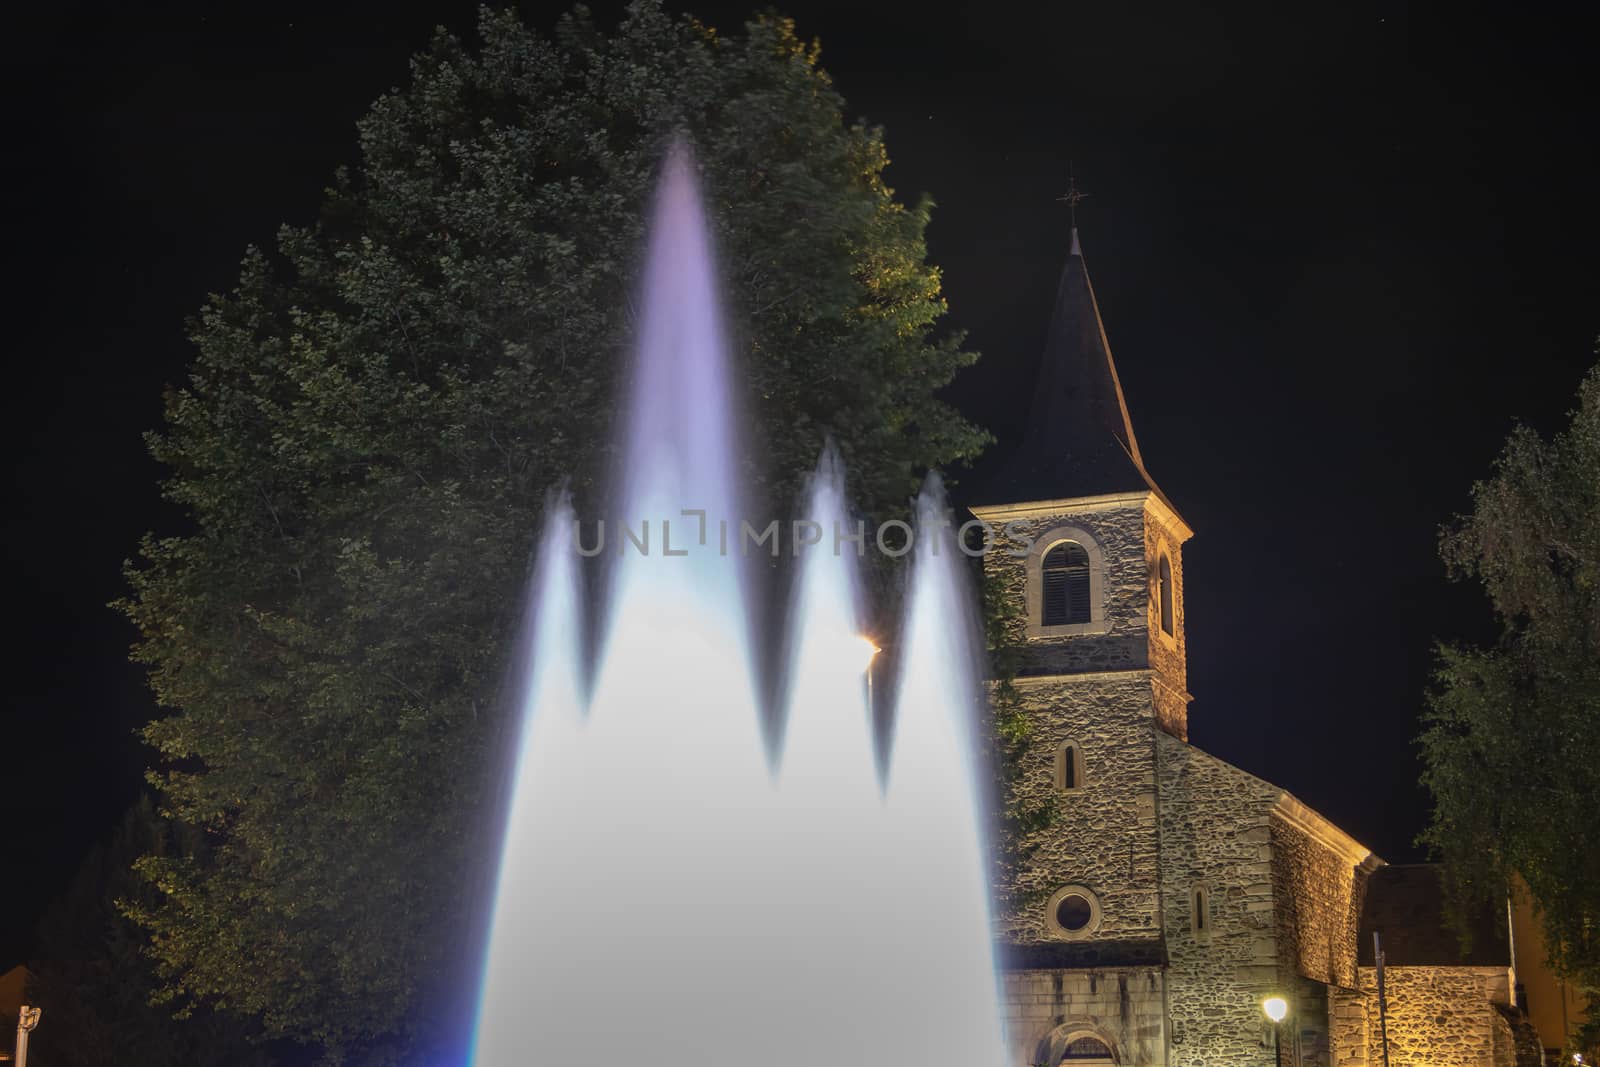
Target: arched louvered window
<point>1066,585</point>
<point>1087,1050</point>
<point>1164,581</point>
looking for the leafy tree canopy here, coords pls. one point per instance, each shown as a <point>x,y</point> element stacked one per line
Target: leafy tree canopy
<point>95,981</point>
<point>370,423</point>
<point>1512,741</point>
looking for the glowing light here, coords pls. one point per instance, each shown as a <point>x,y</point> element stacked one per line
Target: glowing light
<point>1276,1008</point>
<point>868,650</point>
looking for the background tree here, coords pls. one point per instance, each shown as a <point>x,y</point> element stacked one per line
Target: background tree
<point>370,423</point>
<point>1512,741</point>
<point>95,981</point>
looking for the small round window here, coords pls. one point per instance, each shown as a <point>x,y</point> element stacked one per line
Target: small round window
<point>1074,912</point>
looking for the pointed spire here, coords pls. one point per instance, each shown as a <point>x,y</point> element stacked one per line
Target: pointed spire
<point>1080,439</point>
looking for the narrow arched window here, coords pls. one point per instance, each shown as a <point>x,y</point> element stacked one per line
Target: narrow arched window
<point>1069,767</point>
<point>1066,585</point>
<point>1164,580</point>
<point>1200,917</point>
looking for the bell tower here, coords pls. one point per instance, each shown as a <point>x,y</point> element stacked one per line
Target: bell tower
<point>1101,582</point>
<point>1171,892</point>
<point>1091,551</point>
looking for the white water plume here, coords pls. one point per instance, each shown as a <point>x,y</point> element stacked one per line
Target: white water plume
<point>663,894</point>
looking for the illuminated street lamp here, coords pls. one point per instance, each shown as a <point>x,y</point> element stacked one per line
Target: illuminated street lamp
<point>1276,1008</point>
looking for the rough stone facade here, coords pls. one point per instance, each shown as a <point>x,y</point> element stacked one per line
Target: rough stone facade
<point>1164,535</point>
<point>1117,552</point>
<point>1318,878</point>
<point>1437,1017</point>
<point>1124,1008</point>
<point>1220,967</point>
<point>1317,895</point>
<point>1189,890</point>
<point>1280,893</point>
<point>1112,849</point>
<point>1126,536</point>
<point>1211,888</point>
<point>1349,1043</point>
<point>1192,864</point>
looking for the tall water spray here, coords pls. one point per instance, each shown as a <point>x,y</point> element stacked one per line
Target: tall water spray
<point>664,893</point>
<point>932,816</point>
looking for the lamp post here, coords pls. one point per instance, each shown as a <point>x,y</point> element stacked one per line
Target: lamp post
<point>27,1019</point>
<point>1276,1008</point>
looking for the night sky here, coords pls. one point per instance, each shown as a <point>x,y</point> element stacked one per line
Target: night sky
<point>1338,251</point>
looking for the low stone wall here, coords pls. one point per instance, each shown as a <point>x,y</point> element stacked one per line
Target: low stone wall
<point>1437,1017</point>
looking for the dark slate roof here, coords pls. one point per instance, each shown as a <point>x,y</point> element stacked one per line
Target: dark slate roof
<point>1405,903</point>
<point>1080,440</point>
<point>1053,955</point>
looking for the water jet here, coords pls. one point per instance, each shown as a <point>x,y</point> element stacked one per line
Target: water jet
<point>664,890</point>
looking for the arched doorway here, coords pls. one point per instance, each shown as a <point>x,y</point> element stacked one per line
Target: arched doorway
<point>1075,1044</point>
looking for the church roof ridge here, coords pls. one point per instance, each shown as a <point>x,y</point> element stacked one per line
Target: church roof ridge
<point>1293,810</point>
<point>1039,508</point>
<point>1324,830</point>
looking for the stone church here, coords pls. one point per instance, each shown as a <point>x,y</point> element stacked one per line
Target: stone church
<point>1175,892</point>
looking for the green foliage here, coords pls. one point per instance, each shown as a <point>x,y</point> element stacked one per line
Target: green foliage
<point>1512,741</point>
<point>370,423</point>
<point>95,982</point>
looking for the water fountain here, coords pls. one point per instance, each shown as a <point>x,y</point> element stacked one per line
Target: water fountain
<point>666,892</point>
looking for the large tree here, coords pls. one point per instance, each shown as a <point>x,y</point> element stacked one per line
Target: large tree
<point>372,419</point>
<point>92,975</point>
<point>1512,741</point>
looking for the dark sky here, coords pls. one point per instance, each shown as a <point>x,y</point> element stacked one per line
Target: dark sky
<point>1338,247</point>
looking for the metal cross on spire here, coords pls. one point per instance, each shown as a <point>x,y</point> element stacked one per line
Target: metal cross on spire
<point>1072,196</point>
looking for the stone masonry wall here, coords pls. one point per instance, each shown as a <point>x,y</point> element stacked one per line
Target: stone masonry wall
<point>1122,1007</point>
<point>1167,655</point>
<point>1216,835</point>
<point>1124,581</point>
<point>1306,1039</point>
<point>1347,1024</point>
<point>1104,837</point>
<point>1318,895</point>
<point>1437,1017</point>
